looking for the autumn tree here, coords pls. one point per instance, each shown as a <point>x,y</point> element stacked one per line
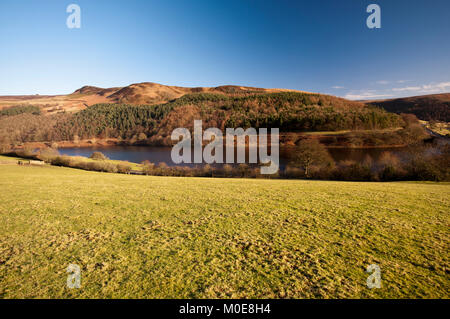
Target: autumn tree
<point>311,153</point>
<point>47,154</point>
<point>124,168</point>
<point>409,119</point>
<point>98,156</point>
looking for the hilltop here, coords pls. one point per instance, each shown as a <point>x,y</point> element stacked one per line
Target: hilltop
<point>134,94</point>
<point>93,90</point>
<point>154,93</point>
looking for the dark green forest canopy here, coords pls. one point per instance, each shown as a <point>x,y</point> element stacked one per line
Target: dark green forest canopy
<point>114,120</point>
<point>20,109</point>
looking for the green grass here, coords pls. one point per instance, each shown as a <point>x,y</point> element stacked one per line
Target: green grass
<point>343,132</point>
<point>441,128</point>
<point>168,237</point>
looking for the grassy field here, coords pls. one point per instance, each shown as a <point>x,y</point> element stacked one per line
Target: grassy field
<point>10,160</point>
<point>13,160</point>
<point>168,237</point>
<point>440,128</point>
<point>319,133</point>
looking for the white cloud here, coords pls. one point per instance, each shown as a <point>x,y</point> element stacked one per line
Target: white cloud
<point>383,82</point>
<point>428,88</point>
<point>365,96</point>
<point>337,87</point>
<point>408,88</point>
<point>432,88</point>
<point>437,87</point>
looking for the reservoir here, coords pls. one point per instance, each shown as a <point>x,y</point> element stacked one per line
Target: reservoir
<point>158,154</point>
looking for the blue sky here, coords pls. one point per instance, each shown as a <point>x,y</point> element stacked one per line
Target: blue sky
<point>319,46</point>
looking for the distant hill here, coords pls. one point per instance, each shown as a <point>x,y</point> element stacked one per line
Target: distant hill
<point>154,93</point>
<point>135,94</point>
<point>91,90</point>
<point>425,107</point>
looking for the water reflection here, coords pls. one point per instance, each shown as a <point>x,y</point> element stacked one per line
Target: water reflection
<point>157,154</point>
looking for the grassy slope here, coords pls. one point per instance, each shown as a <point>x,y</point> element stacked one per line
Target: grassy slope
<point>440,128</point>
<point>156,237</point>
<point>10,160</point>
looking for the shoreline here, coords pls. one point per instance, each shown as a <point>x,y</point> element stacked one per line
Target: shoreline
<point>115,142</point>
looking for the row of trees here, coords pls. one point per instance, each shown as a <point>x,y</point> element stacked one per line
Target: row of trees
<point>311,161</point>
<point>97,165</point>
<point>424,162</point>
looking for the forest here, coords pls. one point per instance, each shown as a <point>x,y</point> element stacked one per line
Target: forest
<point>289,111</point>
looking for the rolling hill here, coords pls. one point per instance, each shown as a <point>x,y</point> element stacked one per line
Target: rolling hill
<point>147,113</point>
<point>134,94</point>
<point>154,123</point>
<point>425,107</point>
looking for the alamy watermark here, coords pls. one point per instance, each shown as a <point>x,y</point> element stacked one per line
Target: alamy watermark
<point>213,151</point>
<point>74,277</point>
<point>374,280</point>
<point>374,19</point>
<point>74,19</point>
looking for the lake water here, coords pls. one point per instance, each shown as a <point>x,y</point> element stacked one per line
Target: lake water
<point>157,154</point>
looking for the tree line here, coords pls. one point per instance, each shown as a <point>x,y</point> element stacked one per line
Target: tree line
<point>310,160</point>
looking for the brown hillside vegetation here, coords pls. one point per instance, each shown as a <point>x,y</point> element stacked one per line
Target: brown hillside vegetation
<point>153,124</point>
<point>425,107</point>
<point>154,93</point>
<point>147,93</point>
<point>89,90</point>
<point>134,94</point>
<point>147,113</point>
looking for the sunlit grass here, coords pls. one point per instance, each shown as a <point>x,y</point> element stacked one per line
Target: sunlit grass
<point>441,128</point>
<point>169,237</point>
<point>9,159</point>
<point>319,133</point>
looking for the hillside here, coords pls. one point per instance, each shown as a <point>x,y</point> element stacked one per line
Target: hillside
<point>154,93</point>
<point>134,94</point>
<point>93,90</point>
<point>163,237</point>
<point>425,107</point>
<point>233,107</point>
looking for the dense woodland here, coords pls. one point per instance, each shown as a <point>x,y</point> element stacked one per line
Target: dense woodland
<point>291,112</point>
